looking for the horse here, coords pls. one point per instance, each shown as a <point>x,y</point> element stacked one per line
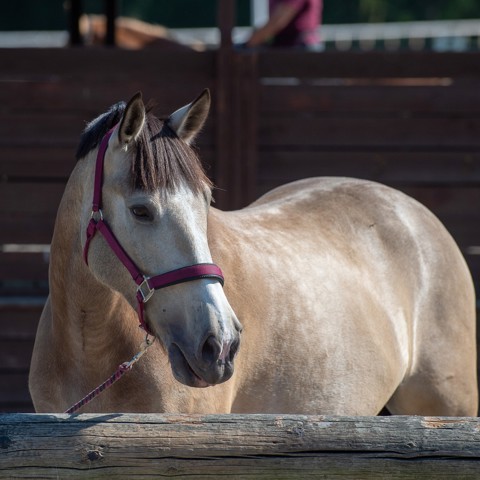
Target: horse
<point>328,295</point>
<point>130,33</point>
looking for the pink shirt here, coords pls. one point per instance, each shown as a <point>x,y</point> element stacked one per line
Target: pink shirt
<point>302,30</point>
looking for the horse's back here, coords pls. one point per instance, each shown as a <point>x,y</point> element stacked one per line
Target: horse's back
<point>364,276</point>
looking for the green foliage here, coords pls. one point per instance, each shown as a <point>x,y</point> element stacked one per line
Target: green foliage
<point>174,14</point>
<point>354,11</point>
<point>51,14</point>
<point>33,15</point>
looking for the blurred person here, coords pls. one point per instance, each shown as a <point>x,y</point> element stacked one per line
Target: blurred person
<point>292,23</point>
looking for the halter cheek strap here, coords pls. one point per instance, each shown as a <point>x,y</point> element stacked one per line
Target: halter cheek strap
<point>146,286</point>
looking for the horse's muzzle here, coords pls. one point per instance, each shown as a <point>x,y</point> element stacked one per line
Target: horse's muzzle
<point>212,365</point>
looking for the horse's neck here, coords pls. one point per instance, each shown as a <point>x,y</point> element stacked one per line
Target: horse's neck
<point>85,313</point>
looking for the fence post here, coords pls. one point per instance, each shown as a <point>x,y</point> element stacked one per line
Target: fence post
<point>244,128</point>
<point>111,10</point>
<point>236,120</point>
<point>74,14</point>
<point>223,104</point>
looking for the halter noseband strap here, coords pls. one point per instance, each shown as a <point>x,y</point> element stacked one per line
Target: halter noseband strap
<point>146,286</point>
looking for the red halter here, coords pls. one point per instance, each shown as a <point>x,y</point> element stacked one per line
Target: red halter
<point>146,286</point>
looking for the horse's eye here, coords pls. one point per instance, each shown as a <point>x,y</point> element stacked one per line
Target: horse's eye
<point>141,212</point>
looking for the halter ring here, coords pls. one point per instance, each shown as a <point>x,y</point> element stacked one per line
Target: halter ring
<point>145,291</point>
<point>97,212</point>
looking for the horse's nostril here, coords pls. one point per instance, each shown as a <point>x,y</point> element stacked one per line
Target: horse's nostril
<point>211,350</point>
<point>234,349</point>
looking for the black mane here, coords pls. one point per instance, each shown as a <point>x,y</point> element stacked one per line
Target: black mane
<point>96,129</point>
<point>160,160</point>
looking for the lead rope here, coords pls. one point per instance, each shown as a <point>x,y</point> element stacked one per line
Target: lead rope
<point>119,373</point>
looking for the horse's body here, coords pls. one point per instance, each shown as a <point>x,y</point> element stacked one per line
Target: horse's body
<point>352,297</point>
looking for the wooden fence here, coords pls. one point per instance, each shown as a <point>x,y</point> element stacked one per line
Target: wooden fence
<point>410,120</point>
<point>238,446</point>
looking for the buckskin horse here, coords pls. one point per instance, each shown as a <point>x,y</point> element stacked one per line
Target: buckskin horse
<point>340,296</point>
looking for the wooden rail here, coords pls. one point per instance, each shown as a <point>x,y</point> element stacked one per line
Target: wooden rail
<point>240,446</point>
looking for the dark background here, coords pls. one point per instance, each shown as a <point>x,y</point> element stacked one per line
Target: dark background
<point>52,14</point>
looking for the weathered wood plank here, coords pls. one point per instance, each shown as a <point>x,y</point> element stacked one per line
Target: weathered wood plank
<point>37,198</point>
<point>14,392</point>
<point>115,65</point>
<point>28,211</point>
<point>88,95</point>
<point>23,266</point>
<point>371,98</point>
<point>27,228</point>
<point>15,355</point>
<point>367,64</point>
<point>58,130</point>
<point>39,162</point>
<point>386,166</point>
<point>240,446</point>
<point>353,132</point>
<point>18,324</point>
<point>19,321</point>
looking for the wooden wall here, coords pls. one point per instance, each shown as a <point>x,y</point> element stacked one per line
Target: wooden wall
<point>410,120</point>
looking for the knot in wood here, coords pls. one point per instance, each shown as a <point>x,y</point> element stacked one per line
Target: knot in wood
<point>94,455</point>
<point>298,430</point>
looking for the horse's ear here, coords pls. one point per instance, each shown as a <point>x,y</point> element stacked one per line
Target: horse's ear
<point>188,120</point>
<point>132,120</point>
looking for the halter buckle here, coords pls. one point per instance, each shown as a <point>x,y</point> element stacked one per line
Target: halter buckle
<point>97,215</point>
<point>145,291</point>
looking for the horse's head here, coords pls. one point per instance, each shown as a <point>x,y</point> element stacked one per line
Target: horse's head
<point>155,199</point>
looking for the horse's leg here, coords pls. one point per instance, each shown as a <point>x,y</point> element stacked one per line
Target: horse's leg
<point>443,375</point>
<point>43,375</point>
